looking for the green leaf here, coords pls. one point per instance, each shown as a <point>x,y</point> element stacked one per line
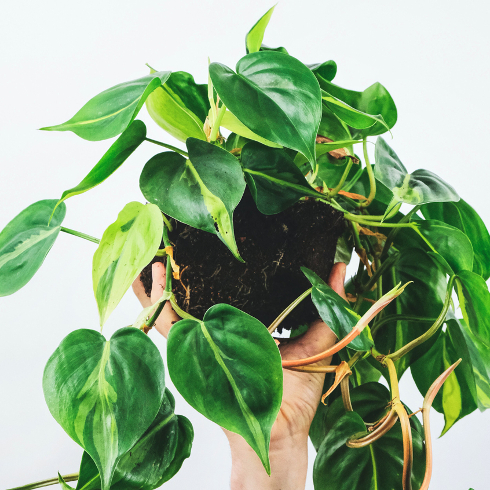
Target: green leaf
<point>350,116</point>
<point>274,95</point>
<point>25,242</point>
<point>231,122</point>
<point>474,300</point>
<point>378,466</point>
<point>154,459</point>
<point>327,70</point>
<point>375,100</point>
<point>106,402</point>
<point>336,312</point>
<point>451,244</point>
<point>255,36</point>
<point>113,158</point>
<point>422,186</point>
<point>228,368</point>
<point>180,106</point>
<point>457,397</point>
<point>322,148</point>
<point>126,247</point>
<point>462,216</point>
<point>210,184</point>
<point>113,110</point>
<point>274,180</point>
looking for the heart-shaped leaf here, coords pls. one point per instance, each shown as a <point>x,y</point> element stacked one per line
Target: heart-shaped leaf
<point>336,312</point>
<point>126,247</point>
<point>379,465</point>
<point>255,36</point>
<point>422,186</point>
<point>462,216</point>
<point>228,367</point>
<point>113,158</point>
<point>375,100</point>
<point>154,459</point>
<point>274,180</point>
<point>202,191</point>
<point>113,110</point>
<point>457,397</point>
<point>180,106</point>
<point>274,95</point>
<point>25,242</point>
<point>352,117</point>
<point>105,394</point>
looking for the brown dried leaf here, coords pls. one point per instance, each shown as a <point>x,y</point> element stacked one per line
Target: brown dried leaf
<point>175,267</point>
<point>364,259</point>
<point>341,372</point>
<point>352,195</point>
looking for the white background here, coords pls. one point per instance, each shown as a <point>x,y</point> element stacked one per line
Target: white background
<point>55,55</point>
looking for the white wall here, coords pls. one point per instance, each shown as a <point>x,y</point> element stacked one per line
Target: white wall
<point>55,55</point>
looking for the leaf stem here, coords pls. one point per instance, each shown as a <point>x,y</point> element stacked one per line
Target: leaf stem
<point>358,219</point>
<point>387,423</point>
<point>432,330</point>
<point>400,318</point>
<point>46,483</point>
<point>288,310</point>
<point>217,123</point>
<point>387,264</point>
<point>169,147</point>
<point>372,180</point>
<point>80,235</point>
<point>344,389</point>
<point>337,188</point>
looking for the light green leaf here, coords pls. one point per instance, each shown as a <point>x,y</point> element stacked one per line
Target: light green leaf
<point>228,367</point>
<point>106,402</point>
<point>231,122</point>
<point>109,113</point>
<point>113,158</point>
<point>202,192</point>
<point>150,310</point>
<point>25,242</point>
<point>180,106</point>
<point>126,247</point>
<point>274,180</point>
<point>275,96</point>
<point>336,312</point>
<point>419,187</point>
<point>254,38</point>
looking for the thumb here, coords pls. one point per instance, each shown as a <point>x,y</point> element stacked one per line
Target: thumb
<point>337,278</point>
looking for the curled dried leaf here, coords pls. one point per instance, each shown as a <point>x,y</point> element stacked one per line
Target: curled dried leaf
<point>342,370</point>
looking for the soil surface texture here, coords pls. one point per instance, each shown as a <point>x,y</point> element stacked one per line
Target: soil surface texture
<point>273,247</point>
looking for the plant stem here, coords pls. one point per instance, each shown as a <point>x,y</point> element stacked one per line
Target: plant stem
<point>358,219</point>
<point>372,180</point>
<point>167,223</point>
<point>337,188</point>
<point>169,147</point>
<point>353,181</point>
<point>432,330</point>
<point>80,235</point>
<point>217,123</point>
<point>46,483</point>
<point>344,388</point>
<point>387,264</point>
<point>388,422</point>
<point>400,318</point>
<point>288,310</point>
<point>183,314</point>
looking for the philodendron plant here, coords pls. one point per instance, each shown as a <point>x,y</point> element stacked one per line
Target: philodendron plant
<point>293,139</point>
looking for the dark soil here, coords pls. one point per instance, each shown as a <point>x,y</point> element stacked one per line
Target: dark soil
<point>273,247</point>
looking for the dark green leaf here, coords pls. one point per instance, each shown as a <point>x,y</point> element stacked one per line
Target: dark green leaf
<point>327,70</point>
<point>106,402</point>
<point>235,141</point>
<point>180,106</point>
<point>153,460</point>
<point>113,110</point>
<point>228,367</point>
<point>274,180</point>
<point>374,100</point>
<point>25,242</point>
<point>280,49</point>
<point>255,36</point>
<point>457,396</point>
<point>421,186</point>
<point>379,465</point>
<point>462,216</point>
<point>336,312</point>
<point>126,247</point>
<point>113,158</point>
<point>274,95</point>
<point>202,191</point>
